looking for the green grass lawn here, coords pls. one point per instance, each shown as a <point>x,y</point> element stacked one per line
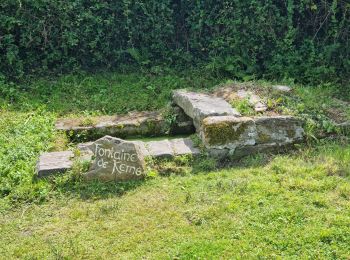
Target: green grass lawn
<point>290,206</point>
<point>283,206</point>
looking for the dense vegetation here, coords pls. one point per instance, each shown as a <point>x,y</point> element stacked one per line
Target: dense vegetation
<point>303,40</point>
<point>83,58</point>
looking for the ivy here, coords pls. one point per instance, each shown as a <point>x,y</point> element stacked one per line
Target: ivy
<point>305,40</point>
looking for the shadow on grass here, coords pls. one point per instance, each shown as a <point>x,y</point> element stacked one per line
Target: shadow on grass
<point>250,161</point>
<point>99,190</point>
<point>204,164</point>
<point>70,185</point>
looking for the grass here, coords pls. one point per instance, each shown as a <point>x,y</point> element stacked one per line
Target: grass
<point>104,93</point>
<point>287,206</point>
<point>290,206</point>
<point>27,118</point>
<point>22,137</point>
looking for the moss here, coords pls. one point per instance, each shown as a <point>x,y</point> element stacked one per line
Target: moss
<point>263,138</point>
<point>224,132</point>
<point>153,127</point>
<point>120,126</point>
<point>88,121</point>
<point>290,133</point>
<point>179,165</point>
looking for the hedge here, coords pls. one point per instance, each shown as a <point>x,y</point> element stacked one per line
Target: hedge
<point>307,40</point>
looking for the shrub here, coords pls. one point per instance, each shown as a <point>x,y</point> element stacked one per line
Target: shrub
<point>304,40</point>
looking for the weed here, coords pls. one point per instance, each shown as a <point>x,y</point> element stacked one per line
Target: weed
<point>243,107</point>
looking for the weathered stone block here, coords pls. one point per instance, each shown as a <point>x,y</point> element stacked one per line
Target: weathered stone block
<point>228,132</point>
<point>184,146</point>
<point>157,149</point>
<point>221,153</point>
<point>199,106</point>
<point>54,162</point>
<point>279,129</point>
<point>131,125</point>
<point>116,160</point>
<point>143,148</point>
<point>84,147</point>
<point>160,149</point>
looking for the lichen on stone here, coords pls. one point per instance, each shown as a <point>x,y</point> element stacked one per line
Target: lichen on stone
<point>228,130</point>
<point>263,137</point>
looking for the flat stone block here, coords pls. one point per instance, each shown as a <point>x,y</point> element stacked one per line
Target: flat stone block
<point>143,147</point>
<point>134,124</point>
<point>218,153</point>
<point>160,149</point>
<point>84,147</point>
<point>184,146</point>
<point>55,162</point>
<point>228,132</point>
<point>199,106</point>
<point>279,129</point>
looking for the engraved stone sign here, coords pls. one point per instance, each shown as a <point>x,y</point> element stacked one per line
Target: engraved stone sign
<point>116,160</point>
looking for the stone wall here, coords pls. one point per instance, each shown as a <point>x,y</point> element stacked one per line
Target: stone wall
<point>224,131</point>
<point>135,124</point>
<point>244,135</point>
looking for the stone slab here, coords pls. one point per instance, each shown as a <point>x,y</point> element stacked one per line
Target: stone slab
<point>184,146</point>
<point>160,149</point>
<point>84,147</point>
<point>54,162</point>
<point>199,106</point>
<point>133,124</point>
<point>242,151</point>
<point>143,147</point>
<point>254,149</point>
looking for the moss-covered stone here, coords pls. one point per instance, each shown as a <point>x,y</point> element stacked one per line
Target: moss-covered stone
<point>264,138</point>
<point>228,131</point>
<point>132,125</point>
<point>278,129</point>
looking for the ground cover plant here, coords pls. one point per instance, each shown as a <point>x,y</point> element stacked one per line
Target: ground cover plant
<point>288,206</point>
<point>294,205</point>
